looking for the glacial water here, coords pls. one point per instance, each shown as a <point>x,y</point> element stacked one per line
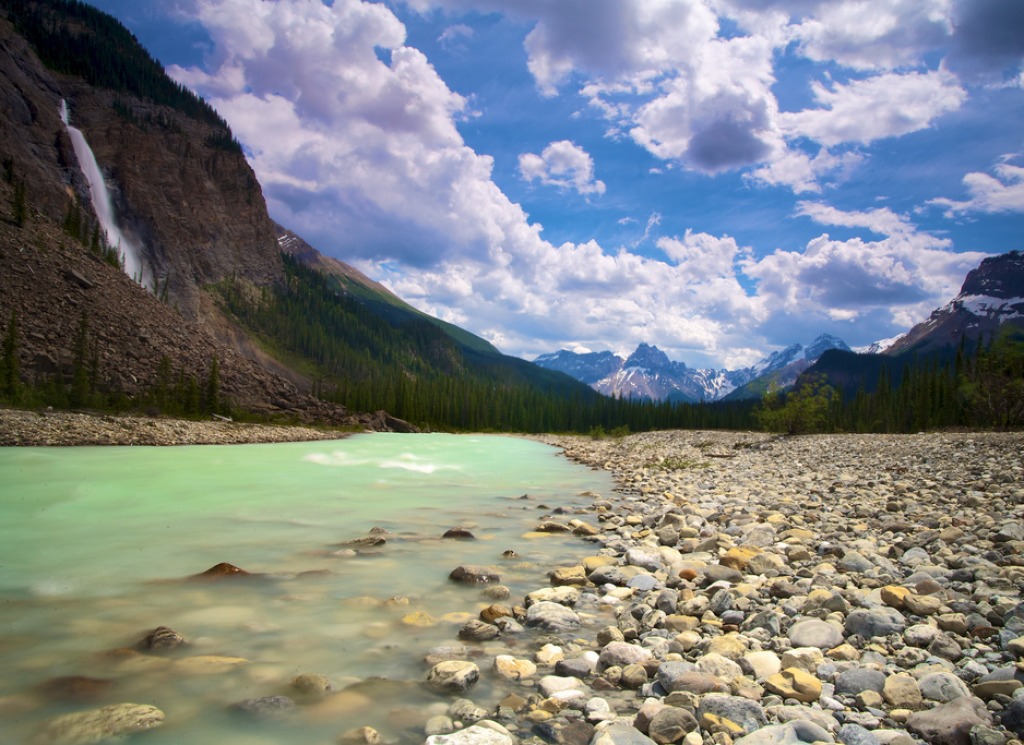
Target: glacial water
<point>97,546</point>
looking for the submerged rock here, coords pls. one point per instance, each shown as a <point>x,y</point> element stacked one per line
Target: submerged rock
<point>223,569</point>
<point>97,725</point>
<point>472,574</point>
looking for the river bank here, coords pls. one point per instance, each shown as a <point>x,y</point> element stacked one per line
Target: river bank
<point>746,589</point>
<point>66,428</point>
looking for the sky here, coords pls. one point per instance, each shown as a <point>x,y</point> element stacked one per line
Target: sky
<point>719,178</point>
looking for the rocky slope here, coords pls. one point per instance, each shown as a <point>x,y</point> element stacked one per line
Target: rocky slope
<point>991,295</point>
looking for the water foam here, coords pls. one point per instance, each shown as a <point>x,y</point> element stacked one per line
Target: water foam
<point>101,202</point>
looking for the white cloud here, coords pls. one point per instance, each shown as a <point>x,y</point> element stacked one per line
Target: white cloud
<point>887,105</point>
<point>452,36</point>
<point>882,221</point>
<point>1003,192</point>
<point>562,164</point>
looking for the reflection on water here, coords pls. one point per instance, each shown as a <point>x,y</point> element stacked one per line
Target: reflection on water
<point>96,545</point>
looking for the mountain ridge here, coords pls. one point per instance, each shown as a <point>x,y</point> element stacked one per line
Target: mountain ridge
<point>648,373</point>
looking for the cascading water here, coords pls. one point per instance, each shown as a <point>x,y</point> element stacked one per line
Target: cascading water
<point>101,202</point>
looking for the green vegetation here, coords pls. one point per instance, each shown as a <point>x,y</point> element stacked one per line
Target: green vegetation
<point>983,389</point>
<point>76,39</point>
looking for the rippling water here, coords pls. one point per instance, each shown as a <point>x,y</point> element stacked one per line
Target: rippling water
<point>96,545</point>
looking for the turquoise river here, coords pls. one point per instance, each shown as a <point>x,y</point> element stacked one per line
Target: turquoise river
<point>97,546</point>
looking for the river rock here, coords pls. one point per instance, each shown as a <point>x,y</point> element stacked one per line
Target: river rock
<point>859,679</point>
<point>682,676</point>
<point>901,691</point>
<point>472,574</point>
<point>459,534</point>
<point>266,707</point>
<point>795,683</point>
<point>746,714</point>
<point>622,654</point>
<point>223,569</point>
<point>513,668</point>
<point>97,725</point>
<point>620,734</point>
<point>453,676</point>
<point>949,723</point>
<point>670,725</point>
<point>552,617</point>
<point>871,622</point>
<point>311,685</point>
<point>812,632</point>
<point>478,631</point>
<point>942,687</point>
<point>477,734</point>
<point>792,733</point>
<point>162,639</point>
<point>360,736</point>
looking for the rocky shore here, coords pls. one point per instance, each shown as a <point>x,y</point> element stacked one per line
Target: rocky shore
<point>741,589</point>
<point>753,590</point>
<point>20,427</point>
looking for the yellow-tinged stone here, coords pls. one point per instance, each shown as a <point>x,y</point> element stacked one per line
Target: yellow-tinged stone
<point>893,595</point>
<point>458,617</point>
<point>206,664</point>
<point>796,535</point>
<point>795,683</point>
<point>714,724</point>
<point>564,576</point>
<point>514,668</point>
<point>539,715</point>
<point>419,619</point>
<point>844,653</point>
<point>922,605</point>
<point>738,557</point>
<point>593,562</point>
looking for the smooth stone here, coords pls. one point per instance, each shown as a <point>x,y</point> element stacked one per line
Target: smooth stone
<point>812,632</point>
<point>855,562</point>
<point>791,733</point>
<point>901,691</point>
<point>361,736</point>
<point>224,569</point>
<point>577,667</point>
<point>920,635</point>
<point>458,533</point>
<point>622,653</point>
<point>942,687</point>
<point>478,631</point>
<point>949,723</point>
<point>643,583</point>
<point>493,612</point>
<point>730,646</point>
<point>472,574</point>
<point>97,725</point>
<point>552,617</point>
<point>894,595</point>
<point>513,668</point>
<point>805,658</point>
<point>795,683</point>
<point>562,595</point>
<point>860,679</point>
<point>207,664</point>
<point>161,639</point>
<point>738,557</point>
<point>633,676</point>
<point>453,676</point>
<point>311,685</point>
<point>720,667</point>
<point>748,715</point>
<point>619,733</point>
<point>476,734</point>
<point>871,622</point>
<point>761,664</point>
<point>922,605</point>
<point>681,676</point>
<point>549,685</point>
<point>671,725</point>
<point>565,576</point>
<point>1013,716</point>
<point>855,734</point>
<point>266,707</point>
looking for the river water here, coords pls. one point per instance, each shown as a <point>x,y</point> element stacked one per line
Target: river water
<point>97,546</point>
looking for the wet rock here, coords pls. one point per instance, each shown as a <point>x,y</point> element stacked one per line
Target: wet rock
<point>513,668</point>
<point>266,707</point>
<point>75,688</point>
<point>552,617</point>
<point>477,734</point>
<point>459,534</point>
<point>950,723</point>
<point>97,725</point>
<point>361,736</point>
<point>311,686</point>
<point>222,570</point>
<point>791,733</point>
<point>478,631</point>
<point>453,676</point>
<point>682,676</point>
<point>622,653</point>
<point>472,574</point>
<point>162,639</point>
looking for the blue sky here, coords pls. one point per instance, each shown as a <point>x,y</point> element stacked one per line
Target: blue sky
<point>720,178</point>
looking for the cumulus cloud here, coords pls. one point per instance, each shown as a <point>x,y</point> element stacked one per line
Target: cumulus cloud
<point>562,164</point>
<point>1003,192</point>
<point>887,105</point>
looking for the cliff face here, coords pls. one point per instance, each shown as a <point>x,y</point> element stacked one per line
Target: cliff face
<point>196,208</point>
<point>179,187</point>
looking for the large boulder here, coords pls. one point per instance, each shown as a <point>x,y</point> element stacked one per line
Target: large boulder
<point>98,725</point>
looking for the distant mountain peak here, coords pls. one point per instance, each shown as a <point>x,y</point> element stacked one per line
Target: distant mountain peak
<point>648,357</point>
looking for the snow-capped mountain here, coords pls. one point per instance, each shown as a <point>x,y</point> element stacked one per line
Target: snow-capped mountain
<point>991,295</point>
<point>649,373</point>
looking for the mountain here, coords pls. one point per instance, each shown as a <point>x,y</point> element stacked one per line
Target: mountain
<point>991,295</point>
<point>648,373</point>
<point>224,310</point>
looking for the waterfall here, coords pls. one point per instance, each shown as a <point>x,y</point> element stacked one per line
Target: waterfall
<point>102,204</point>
